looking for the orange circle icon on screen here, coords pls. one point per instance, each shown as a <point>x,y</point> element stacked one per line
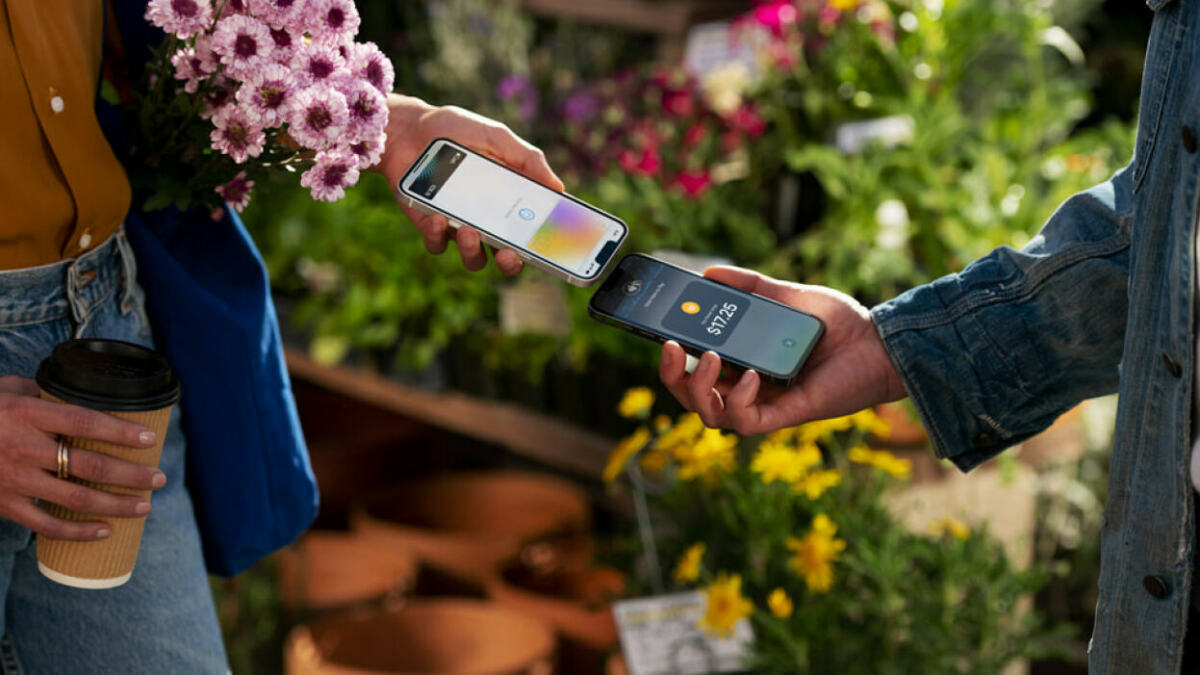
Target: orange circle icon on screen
<point>690,307</point>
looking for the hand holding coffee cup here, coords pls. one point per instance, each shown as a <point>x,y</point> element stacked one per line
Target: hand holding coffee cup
<point>29,429</point>
<point>123,381</point>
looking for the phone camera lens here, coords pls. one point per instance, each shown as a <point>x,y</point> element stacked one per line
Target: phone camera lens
<point>632,287</point>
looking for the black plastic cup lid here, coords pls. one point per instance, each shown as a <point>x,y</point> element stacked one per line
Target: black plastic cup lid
<point>108,375</point>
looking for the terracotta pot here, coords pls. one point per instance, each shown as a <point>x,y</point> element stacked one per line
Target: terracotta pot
<point>329,570</point>
<point>906,429</point>
<point>469,523</point>
<point>434,637</point>
<point>616,665</point>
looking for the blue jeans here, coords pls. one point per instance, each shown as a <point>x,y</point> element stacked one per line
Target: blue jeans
<point>162,620</point>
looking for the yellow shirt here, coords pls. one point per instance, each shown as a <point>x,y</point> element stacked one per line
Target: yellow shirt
<point>62,190</point>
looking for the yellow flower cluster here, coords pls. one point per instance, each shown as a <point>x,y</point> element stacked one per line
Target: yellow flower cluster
<point>688,567</point>
<point>702,453</point>
<point>865,419</point>
<point>627,448</point>
<point>949,525</point>
<point>780,604</point>
<point>778,460</point>
<point>636,403</point>
<point>710,456</point>
<point>814,554</point>
<point>724,605</point>
<point>882,460</point>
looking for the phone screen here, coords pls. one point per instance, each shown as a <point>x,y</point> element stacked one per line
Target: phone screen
<point>474,190</point>
<point>680,305</point>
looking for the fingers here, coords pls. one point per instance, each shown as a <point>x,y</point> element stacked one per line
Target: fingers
<point>508,262</point>
<point>470,249</point>
<point>84,499</point>
<point>99,468</point>
<point>520,155</point>
<point>749,280</point>
<point>434,230</point>
<point>15,384</point>
<point>701,388</point>
<point>70,420</point>
<point>740,405</point>
<point>25,512</point>
<point>672,371</point>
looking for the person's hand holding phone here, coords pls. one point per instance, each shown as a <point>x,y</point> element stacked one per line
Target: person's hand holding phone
<point>848,370</point>
<point>412,124</point>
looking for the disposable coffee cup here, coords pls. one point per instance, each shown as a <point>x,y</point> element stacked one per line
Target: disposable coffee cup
<point>127,381</point>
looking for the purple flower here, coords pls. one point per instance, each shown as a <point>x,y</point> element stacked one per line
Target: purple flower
<point>236,191</point>
<point>332,21</point>
<point>279,13</point>
<point>219,96</point>
<point>319,117</point>
<point>236,134</point>
<point>234,7</point>
<point>194,64</point>
<point>285,44</point>
<point>313,63</point>
<point>243,43</point>
<point>368,109</point>
<point>367,62</point>
<point>184,18</point>
<point>581,105</point>
<point>520,89</point>
<point>334,171</point>
<point>369,152</point>
<point>267,94</point>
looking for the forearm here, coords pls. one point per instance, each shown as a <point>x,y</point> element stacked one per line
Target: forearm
<point>992,355</point>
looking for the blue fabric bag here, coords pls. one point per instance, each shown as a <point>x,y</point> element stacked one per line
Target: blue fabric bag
<point>209,301</point>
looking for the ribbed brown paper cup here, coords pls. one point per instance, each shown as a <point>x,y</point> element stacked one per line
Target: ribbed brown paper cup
<point>127,381</point>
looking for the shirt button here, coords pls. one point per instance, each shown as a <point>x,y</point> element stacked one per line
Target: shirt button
<point>1156,586</point>
<point>1172,365</point>
<point>56,104</point>
<point>85,240</point>
<point>1189,138</point>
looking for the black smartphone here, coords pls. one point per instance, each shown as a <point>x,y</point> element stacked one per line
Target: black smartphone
<point>660,301</point>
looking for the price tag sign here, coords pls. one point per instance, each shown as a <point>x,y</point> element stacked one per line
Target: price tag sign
<point>660,636</point>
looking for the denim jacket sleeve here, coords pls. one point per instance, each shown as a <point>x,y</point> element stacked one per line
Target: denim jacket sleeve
<point>992,355</point>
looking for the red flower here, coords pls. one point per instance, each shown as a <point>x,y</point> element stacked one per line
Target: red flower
<point>679,103</point>
<point>694,183</point>
<point>747,119</point>
<point>695,134</point>
<point>647,164</point>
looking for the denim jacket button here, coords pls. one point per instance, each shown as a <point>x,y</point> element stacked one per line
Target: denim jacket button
<point>1189,138</point>
<point>1156,586</point>
<point>1172,365</point>
<point>984,440</point>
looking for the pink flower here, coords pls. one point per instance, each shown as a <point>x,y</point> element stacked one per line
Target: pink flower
<point>370,151</point>
<point>268,94</point>
<point>313,63</point>
<point>278,13</point>
<point>236,134</point>
<point>695,134</point>
<point>367,62</point>
<point>319,117</point>
<point>647,164</point>
<point>747,119</point>
<point>194,64</point>
<point>777,16</point>
<point>236,191</point>
<point>218,97</point>
<point>679,103</point>
<point>184,18</point>
<point>694,183</point>
<point>285,44</point>
<point>234,7</point>
<point>368,109</point>
<point>243,43</point>
<point>332,21</point>
<point>334,171</point>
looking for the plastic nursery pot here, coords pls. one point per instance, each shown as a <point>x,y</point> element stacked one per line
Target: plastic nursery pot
<point>433,637</point>
<point>331,570</point>
<point>469,523</point>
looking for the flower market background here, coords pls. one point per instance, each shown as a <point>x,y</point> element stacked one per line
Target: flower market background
<point>484,444</point>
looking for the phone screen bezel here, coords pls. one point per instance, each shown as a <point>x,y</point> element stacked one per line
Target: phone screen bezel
<point>689,345</point>
<point>431,151</point>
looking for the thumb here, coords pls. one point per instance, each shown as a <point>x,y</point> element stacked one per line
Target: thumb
<point>754,282</point>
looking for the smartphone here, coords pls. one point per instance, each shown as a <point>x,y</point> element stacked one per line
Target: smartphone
<point>550,230</point>
<point>660,301</point>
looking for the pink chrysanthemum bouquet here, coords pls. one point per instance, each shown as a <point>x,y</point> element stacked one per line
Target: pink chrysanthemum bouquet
<point>244,87</point>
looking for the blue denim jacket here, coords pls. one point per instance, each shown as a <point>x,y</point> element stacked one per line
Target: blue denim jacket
<point>1101,300</point>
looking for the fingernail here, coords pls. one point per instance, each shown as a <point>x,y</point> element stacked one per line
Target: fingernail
<point>103,533</point>
<point>159,480</point>
<point>142,508</point>
<point>146,437</point>
<point>744,380</point>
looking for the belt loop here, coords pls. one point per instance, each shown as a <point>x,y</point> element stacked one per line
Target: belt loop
<point>78,306</point>
<point>129,265</point>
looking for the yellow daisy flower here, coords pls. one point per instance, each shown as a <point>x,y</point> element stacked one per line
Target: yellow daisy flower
<point>776,462</point>
<point>710,456</point>
<point>949,525</point>
<point>636,403</point>
<point>627,448</point>
<point>685,432</point>
<point>780,604</point>
<point>688,567</point>
<point>882,460</point>
<point>814,484</point>
<point>814,554</point>
<point>724,605</point>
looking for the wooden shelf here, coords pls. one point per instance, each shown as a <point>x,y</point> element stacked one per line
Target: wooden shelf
<point>532,435</point>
